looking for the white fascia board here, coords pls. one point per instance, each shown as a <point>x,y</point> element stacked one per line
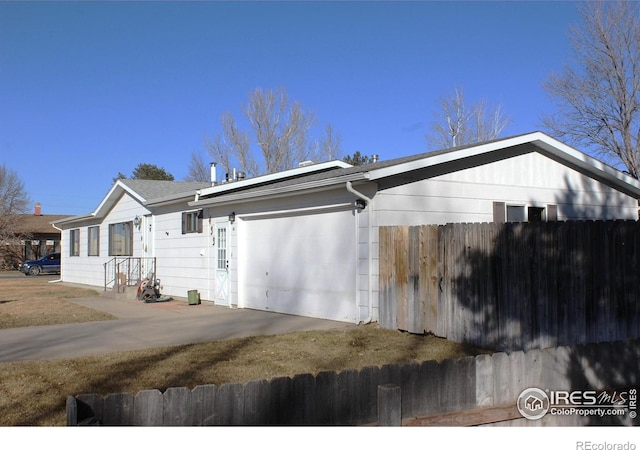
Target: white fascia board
<point>106,203</point>
<point>113,195</point>
<point>589,164</point>
<point>284,191</point>
<point>446,157</point>
<point>273,177</point>
<point>169,199</point>
<point>73,219</point>
<point>545,143</point>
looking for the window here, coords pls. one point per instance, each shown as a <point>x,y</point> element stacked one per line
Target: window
<point>521,213</point>
<point>535,214</point>
<point>516,213</point>
<point>74,242</point>
<point>192,222</point>
<point>93,244</point>
<point>121,239</point>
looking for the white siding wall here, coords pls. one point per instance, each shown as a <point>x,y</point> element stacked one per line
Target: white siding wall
<point>89,270</point>
<point>182,260</point>
<point>530,179</point>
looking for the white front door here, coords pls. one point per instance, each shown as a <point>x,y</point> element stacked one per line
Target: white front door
<point>222,263</point>
<point>147,246</point>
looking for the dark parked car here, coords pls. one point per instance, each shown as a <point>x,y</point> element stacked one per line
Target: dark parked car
<point>47,264</point>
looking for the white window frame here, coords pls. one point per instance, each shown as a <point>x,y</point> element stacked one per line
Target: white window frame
<point>74,242</point>
<point>93,241</point>
<point>124,229</point>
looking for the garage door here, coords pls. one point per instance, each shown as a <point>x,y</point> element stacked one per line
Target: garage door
<point>302,264</point>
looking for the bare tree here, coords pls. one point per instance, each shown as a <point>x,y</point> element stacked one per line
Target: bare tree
<point>597,96</point>
<point>458,123</point>
<point>329,147</point>
<point>238,145</point>
<point>198,169</point>
<point>13,202</point>
<point>280,129</point>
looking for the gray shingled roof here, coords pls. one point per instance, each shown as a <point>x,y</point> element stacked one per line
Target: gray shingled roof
<point>337,173</point>
<point>155,189</point>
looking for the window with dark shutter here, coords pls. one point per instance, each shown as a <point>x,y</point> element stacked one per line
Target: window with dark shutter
<point>192,222</point>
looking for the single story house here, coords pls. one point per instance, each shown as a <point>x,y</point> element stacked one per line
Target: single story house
<point>305,241</point>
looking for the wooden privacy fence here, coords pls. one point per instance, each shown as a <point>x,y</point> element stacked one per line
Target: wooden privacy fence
<point>478,386</point>
<point>513,286</point>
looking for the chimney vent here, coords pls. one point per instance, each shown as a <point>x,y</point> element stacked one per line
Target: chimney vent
<point>38,209</point>
<point>214,179</point>
<point>374,158</point>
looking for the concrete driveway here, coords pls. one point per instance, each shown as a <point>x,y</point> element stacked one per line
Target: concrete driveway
<point>146,325</point>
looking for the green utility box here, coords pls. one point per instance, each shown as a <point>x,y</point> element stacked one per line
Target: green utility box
<point>193,297</point>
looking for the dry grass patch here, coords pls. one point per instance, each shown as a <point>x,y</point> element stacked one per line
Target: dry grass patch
<point>34,393</point>
<point>32,301</point>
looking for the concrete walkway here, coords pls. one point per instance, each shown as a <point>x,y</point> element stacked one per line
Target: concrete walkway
<point>147,325</point>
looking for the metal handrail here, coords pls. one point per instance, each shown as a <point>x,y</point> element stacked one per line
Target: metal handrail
<point>134,270</point>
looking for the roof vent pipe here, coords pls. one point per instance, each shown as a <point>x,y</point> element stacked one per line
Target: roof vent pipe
<point>214,180</point>
<point>241,176</point>
<point>374,158</point>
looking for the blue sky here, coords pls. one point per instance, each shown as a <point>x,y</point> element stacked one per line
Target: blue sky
<point>90,89</point>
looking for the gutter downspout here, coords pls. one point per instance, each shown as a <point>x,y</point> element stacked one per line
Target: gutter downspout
<point>368,201</point>
<point>60,279</point>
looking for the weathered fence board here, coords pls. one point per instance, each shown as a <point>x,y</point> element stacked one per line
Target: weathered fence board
<point>203,402</point>
<point>513,286</point>
<point>350,397</point>
<point>148,408</point>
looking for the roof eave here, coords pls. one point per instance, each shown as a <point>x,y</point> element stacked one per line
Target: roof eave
<point>283,191</point>
<point>556,149</point>
<point>107,202</point>
<point>74,219</point>
<point>445,157</point>
<point>543,143</point>
<point>171,199</point>
<point>272,177</point>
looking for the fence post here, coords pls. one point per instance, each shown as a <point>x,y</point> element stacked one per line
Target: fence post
<point>72,411</point>
<point>389,405</point>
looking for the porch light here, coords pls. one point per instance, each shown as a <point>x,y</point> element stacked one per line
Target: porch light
<point>232,217</point>
<point>361,204</point>
<point>137,221</point>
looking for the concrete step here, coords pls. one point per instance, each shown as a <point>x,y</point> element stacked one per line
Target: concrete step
<point>122,292</point>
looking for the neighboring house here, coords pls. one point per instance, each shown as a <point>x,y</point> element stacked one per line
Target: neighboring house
<point>35,237</point>
<point>305,241</point>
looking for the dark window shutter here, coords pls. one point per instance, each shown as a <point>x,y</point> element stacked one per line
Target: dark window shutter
<point>184,223</point>
<point>552,213</point>
<point>200,217</point>
<point>499,215</point>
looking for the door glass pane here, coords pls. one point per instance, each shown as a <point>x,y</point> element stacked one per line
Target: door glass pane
<point>222,248</point>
